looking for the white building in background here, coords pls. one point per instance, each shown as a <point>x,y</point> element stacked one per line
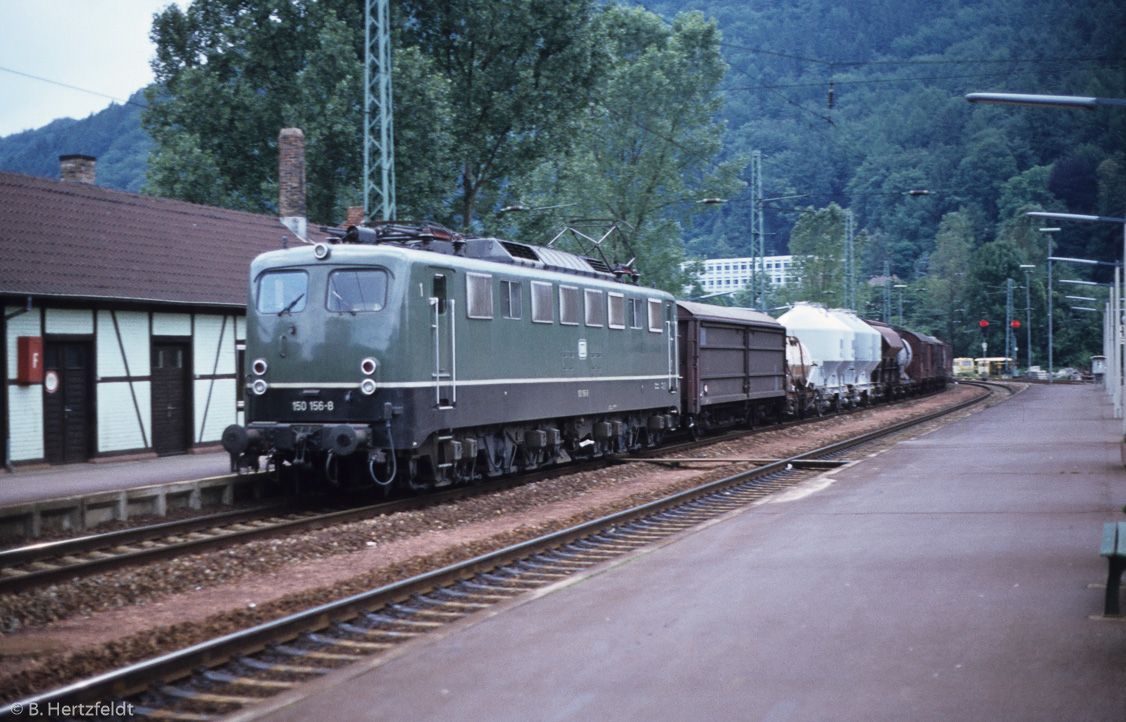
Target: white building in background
<point>731,274</point>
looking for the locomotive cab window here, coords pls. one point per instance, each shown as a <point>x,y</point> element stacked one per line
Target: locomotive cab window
<point>656,320</point>
<point>282,292</point>
<point>479,295</point>
<point>438,291</point>
<point>353,291</point>
<point>542,311</point>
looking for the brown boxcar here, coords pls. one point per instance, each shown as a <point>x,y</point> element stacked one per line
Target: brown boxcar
<point>732,361</point>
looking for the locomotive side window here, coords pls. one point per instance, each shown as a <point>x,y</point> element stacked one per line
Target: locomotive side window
<point>479,295</point>
<point>353,291</point>
<point>438,291</point>
<point>616,310</point>
<point>592,302</point>
<point>510,300</point>
<point>542,311</point>
<point>656,320</point>
<point>569,305</point>
<point>282,292</point>
<point>636,312</point>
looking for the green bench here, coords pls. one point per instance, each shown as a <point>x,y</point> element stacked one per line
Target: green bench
<point>1114,549</point>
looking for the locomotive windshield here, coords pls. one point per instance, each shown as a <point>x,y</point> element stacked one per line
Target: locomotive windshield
<point>357,290</point>
<point>282,292</point>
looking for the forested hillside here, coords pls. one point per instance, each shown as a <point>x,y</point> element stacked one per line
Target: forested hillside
<point>856,102</point>
<point>579,108</point>
<point>113,136</point>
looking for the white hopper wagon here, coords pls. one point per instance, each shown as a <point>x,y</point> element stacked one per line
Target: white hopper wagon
<point>829,342</point>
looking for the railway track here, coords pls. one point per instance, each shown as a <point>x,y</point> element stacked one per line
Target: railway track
<point>38,565</point>
<point>254,665</point>
<point>42,564</point>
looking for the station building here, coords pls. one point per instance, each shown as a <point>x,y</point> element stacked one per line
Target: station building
<point>123,316</point>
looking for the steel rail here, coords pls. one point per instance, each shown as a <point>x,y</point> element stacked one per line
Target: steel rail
<point>144,675</point>
<point>52,557</point>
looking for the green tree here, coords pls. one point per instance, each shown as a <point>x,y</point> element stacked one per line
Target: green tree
<point>520,75</point>
<point>647,154</point>
<point>231,73</point>
<point>818,246</point>
<point>944,286</point>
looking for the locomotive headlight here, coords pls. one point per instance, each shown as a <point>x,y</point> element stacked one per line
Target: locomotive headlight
<point>259,387</point>
<point>367,386</point>
<point>368,366</point>
<point>259,366</point>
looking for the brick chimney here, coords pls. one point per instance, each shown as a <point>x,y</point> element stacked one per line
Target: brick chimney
<point>78,168</point>
<point>355,216</point>
<point>291,179</point>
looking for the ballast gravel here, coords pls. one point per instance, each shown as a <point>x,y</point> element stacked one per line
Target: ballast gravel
<point>71,630</point>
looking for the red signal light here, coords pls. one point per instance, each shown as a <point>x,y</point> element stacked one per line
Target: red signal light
<point>983,323</point>
<point>1015,324</point>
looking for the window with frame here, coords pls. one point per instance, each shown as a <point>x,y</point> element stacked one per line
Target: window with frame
<point>568,305</point>
<point>282,292</point>
<point>479,295</point>
<point>356,290</point>
<point>592,304</point>
<point>616,310</point>
<point>510,299</point>
<point>635,312</point>
<point>542,308</point>
<point>656,316</point>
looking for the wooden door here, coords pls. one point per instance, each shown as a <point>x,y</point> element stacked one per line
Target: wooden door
<point>67,401</point>
<point>171,424</point>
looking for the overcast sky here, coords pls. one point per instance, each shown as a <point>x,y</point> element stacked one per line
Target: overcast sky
<point>101,46</point>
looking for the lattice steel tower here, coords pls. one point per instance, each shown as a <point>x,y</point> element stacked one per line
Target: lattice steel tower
<point>379,136</point>
<point>758,238</point>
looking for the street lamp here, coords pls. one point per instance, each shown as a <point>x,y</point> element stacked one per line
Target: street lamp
<point>1042,101</point>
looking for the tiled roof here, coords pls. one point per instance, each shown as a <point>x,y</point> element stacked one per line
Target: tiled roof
<point>68,239</point>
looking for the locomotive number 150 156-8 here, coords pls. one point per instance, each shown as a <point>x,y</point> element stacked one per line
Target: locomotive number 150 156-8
<point>312,406</point>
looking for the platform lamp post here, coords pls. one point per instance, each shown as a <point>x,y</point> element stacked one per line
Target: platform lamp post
<point>1051,371</point>
<point>1117,295</point>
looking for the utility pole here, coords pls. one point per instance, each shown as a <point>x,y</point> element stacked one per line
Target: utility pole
<point>1009,323</point>
<point>850,264</point>
<point>379,136</point>
<point>887,292</point>
<point>758,238</point>
<point>1028,309</point>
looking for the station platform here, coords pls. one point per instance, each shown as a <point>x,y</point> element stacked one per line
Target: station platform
<point>955,576</point>
<point>31,485</point>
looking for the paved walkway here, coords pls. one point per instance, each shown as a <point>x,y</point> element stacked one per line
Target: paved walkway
<point>950,578</point>
<point>76,479</point>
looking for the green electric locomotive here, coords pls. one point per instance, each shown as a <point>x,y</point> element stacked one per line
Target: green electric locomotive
<point>413,356</point>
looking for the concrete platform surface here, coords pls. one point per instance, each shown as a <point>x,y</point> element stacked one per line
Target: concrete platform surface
<point>953,577</point>
<point>27,485</point>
